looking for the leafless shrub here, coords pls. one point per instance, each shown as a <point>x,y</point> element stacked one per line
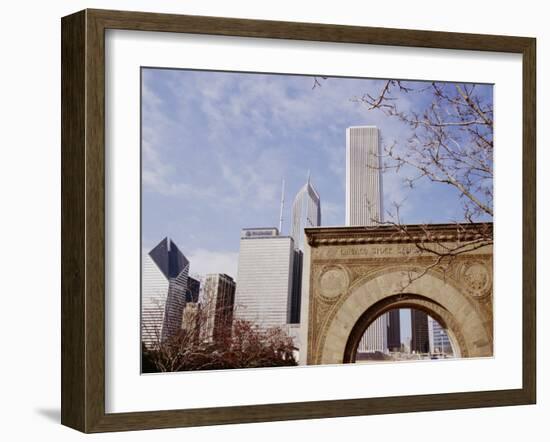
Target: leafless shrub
<point>211,340</point>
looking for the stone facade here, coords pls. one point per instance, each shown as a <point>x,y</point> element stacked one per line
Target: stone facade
<point>352,275</point>
<point>217,306</point>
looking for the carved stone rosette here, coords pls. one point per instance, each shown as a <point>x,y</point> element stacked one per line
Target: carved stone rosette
<point>342,267</point>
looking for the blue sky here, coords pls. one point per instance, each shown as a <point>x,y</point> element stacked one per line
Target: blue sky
<point>216,145</point>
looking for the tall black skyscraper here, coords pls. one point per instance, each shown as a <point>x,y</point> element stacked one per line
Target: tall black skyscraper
<point>420,341</point>
<point>394,330</point>
<point>296,298</point>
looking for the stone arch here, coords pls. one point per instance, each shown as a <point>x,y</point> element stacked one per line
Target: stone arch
<point>412,301</point>
<point>431,293</point>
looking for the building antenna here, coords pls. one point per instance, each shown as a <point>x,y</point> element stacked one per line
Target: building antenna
<point>282,207</point>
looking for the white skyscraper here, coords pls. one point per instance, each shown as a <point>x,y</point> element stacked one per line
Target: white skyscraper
<point>364,206</point>
<point>376,336</point>
<point>306,212</point>
<point>363,177</point>
<point>164,284</point>
<point>264,277</point>
<point>438,338</point>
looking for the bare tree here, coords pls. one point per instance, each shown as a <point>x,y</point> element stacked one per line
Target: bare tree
<point>450,142</point>
<point>210,339</point>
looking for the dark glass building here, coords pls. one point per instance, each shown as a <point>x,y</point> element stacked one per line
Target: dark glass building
<point>296,295</point>
<point>420,340</point>
<point>193,288</point>
<point>394,330</point>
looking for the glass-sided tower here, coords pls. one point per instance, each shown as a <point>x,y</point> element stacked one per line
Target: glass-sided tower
<point>364,206</point>
<point>306,212</point>
<point>164,287</point>
<point>363,177</point>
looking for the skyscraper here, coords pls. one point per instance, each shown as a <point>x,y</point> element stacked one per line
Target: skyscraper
<point>439,340</point>
<point>364,206</point>
<point>394,330</point>
<point>375,337</point>
<point>265,277</point>
<point>296,294</point>
<point>193,289</point>
<point>217,304</point>
<point>306,212</point>
<point>363,177</point>
<point>420,342</point>
<point>164,285</point>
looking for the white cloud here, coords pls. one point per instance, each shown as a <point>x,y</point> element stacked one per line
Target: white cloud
<point>204,261</point>
<point>158,176</point>
<point>221,143</point>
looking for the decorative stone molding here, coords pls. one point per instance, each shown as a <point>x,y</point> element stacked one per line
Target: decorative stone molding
<point>353,268</point>
<point>477,278</point>
<point>432,233</point>
<point>334,281</point>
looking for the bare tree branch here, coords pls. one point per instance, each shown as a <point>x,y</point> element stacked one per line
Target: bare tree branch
<point>450,142</point>
<point>207,341</point>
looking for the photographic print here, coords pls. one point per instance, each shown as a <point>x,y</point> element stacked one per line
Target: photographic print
<point>291,220</point>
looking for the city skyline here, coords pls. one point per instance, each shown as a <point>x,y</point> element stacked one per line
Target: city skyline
<point>165,274</point>
<point>216,145</point>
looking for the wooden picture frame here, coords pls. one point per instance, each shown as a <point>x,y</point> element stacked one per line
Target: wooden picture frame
<point>83,220</point>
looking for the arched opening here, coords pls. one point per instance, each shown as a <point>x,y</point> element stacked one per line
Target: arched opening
<point>333,334</point>
<point>404,327</point>
<point>404,334</point>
